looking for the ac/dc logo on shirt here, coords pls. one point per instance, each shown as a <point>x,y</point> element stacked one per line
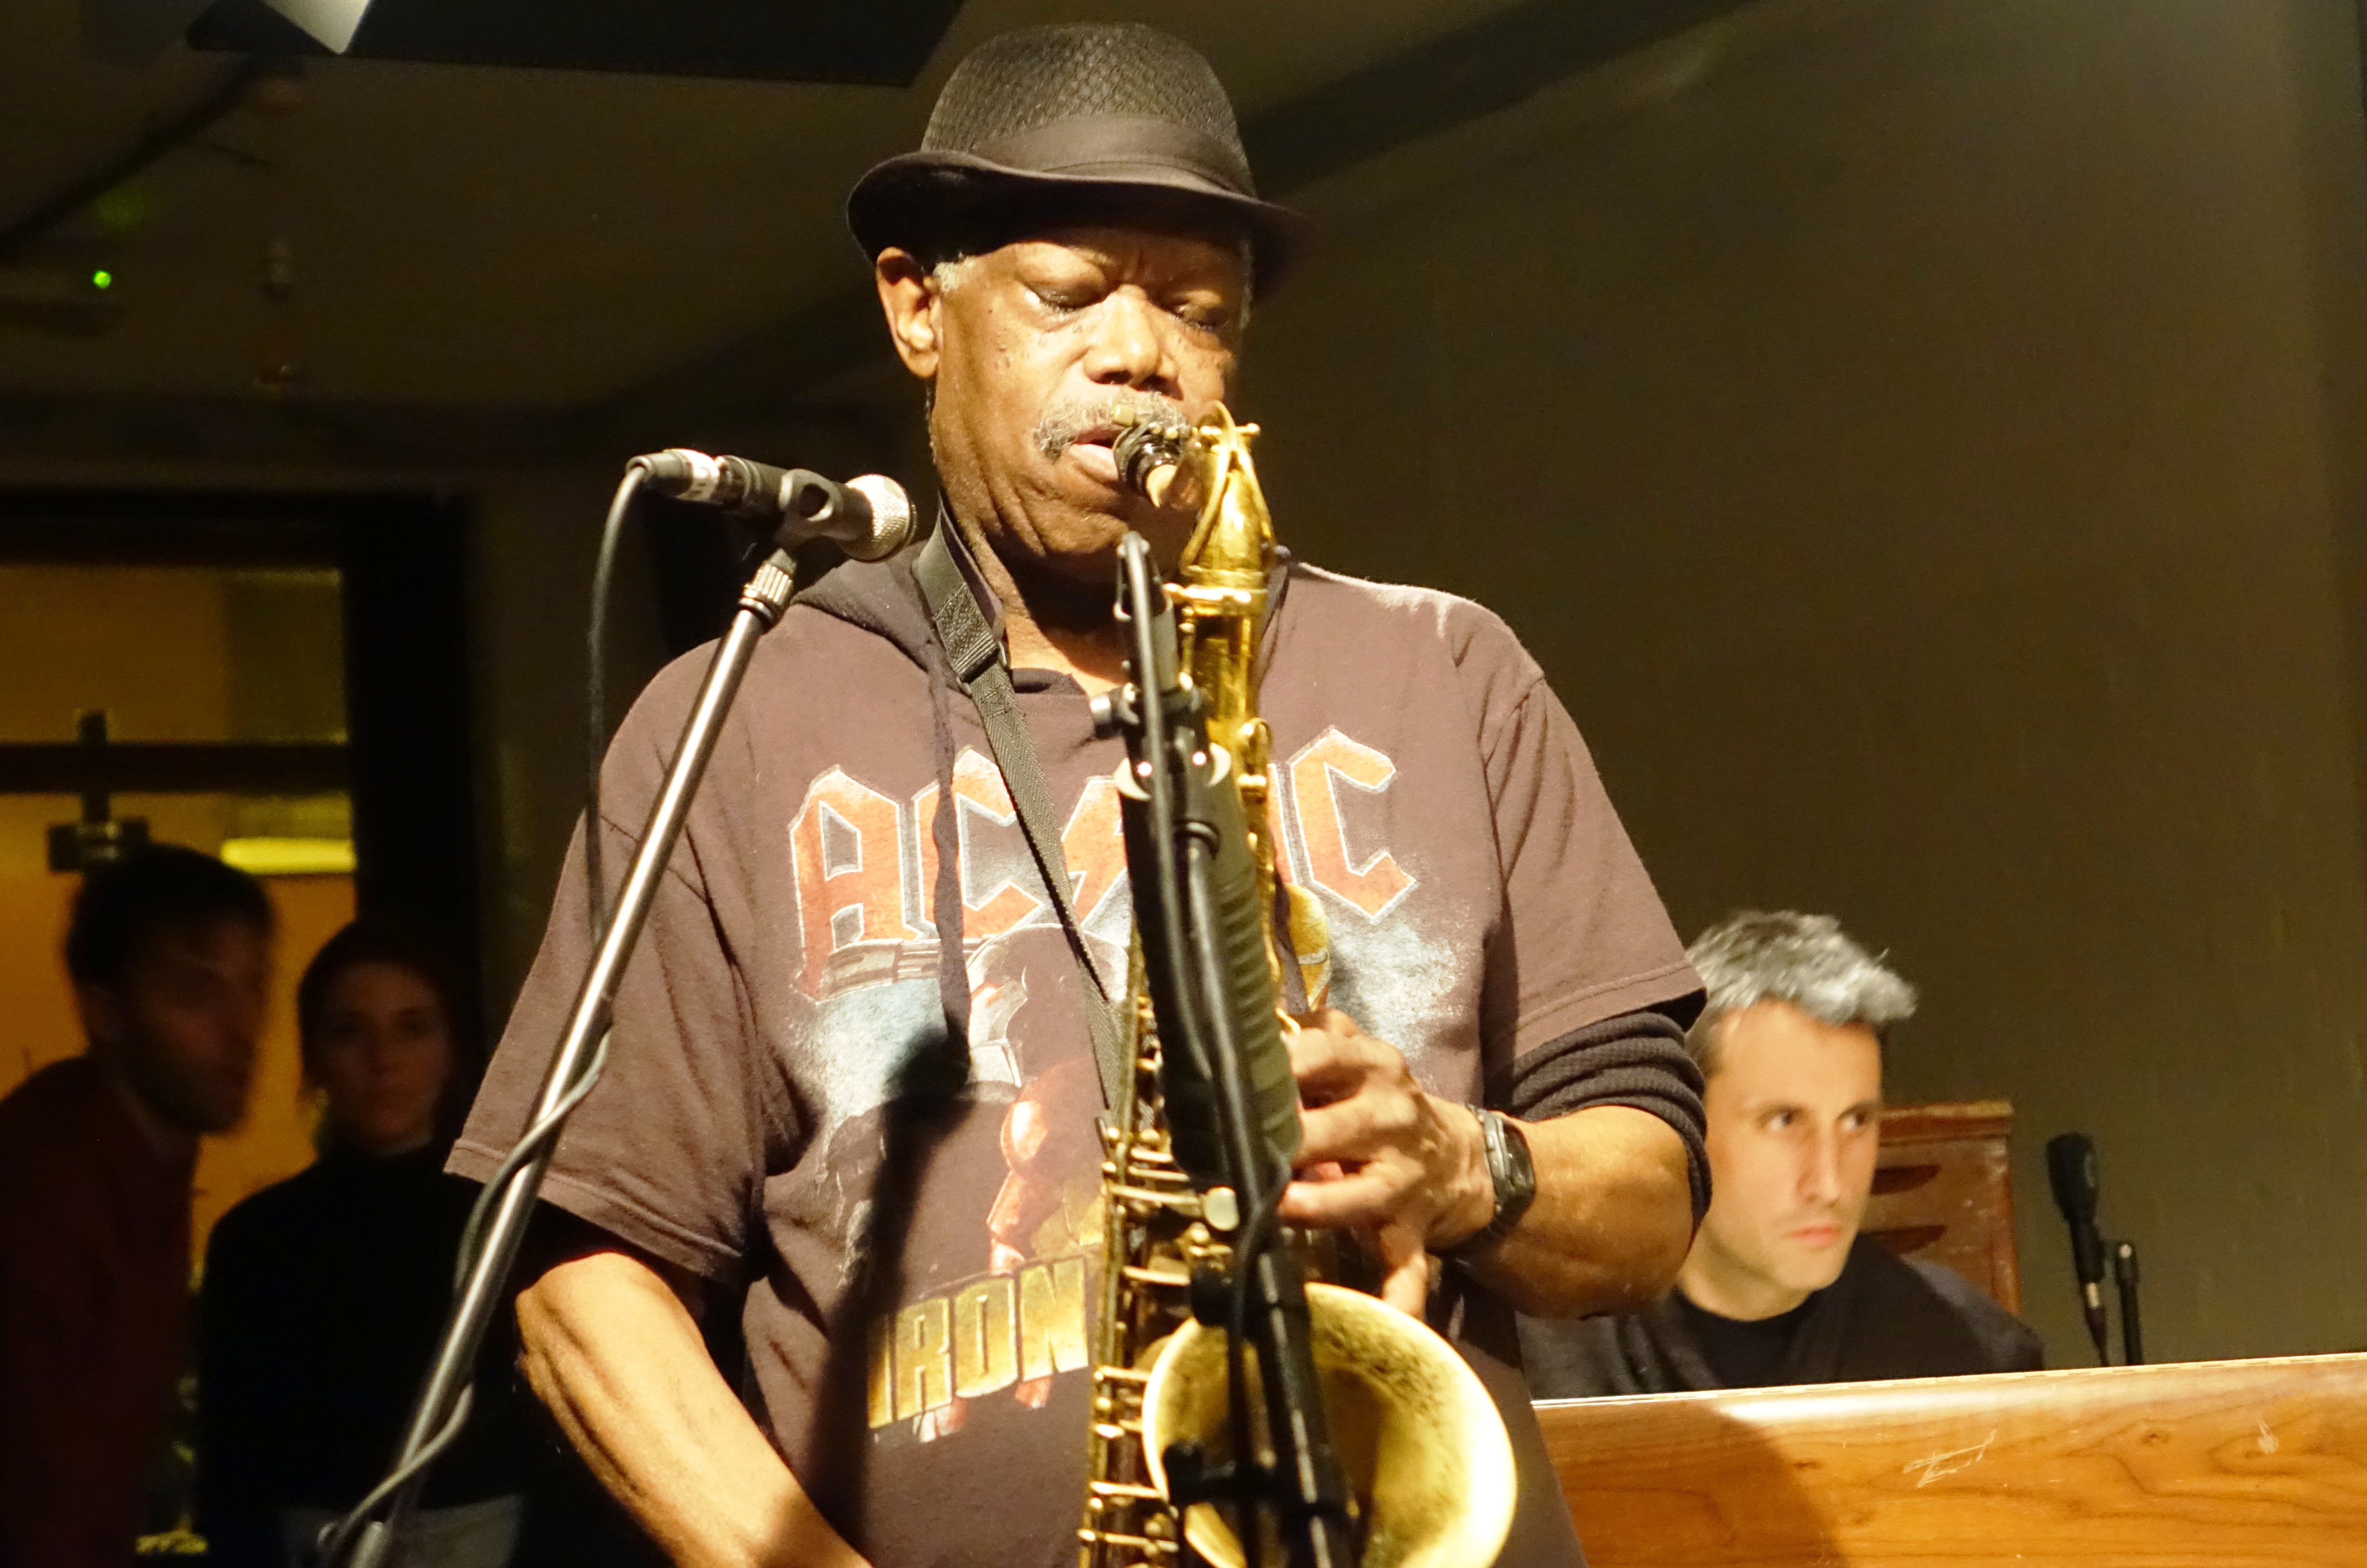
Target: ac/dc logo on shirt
<point>866,863</point>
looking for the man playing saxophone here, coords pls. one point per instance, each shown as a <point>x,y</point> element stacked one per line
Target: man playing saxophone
<point>851,1102</point>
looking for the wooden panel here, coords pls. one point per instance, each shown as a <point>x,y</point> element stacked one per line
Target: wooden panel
<point>1943,1191</point>
<point>2234,1464</point>
<point>1946,1120</point>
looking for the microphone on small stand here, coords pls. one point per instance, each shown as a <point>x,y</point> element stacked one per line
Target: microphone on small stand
<point>2071,1172</point>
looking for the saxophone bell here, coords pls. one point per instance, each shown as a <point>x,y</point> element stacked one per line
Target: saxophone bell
<point>1428,1460</point>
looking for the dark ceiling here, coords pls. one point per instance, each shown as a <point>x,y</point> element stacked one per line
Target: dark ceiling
<point>568,242</point>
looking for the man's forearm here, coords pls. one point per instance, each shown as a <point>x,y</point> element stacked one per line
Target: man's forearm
<point>613,1352</point>
<point>1612,1221</point>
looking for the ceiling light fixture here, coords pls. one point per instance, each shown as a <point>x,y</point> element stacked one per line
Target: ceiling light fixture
<point>329,23</point>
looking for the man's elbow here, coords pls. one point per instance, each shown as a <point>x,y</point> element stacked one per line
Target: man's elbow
<point>1642,1229</point>
<point>575,1307</point>
<point>1663,1227</point>
<point>1661,1239</point>
<point>550,1341</point>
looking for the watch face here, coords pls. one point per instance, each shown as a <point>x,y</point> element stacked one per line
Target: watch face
<point>1514,1172</point>
<point>1516,1154</point>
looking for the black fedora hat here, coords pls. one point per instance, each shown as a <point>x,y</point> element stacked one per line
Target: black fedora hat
<point>1084,114</point>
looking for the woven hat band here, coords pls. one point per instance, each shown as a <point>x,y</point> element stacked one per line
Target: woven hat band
<point>1105,146</point>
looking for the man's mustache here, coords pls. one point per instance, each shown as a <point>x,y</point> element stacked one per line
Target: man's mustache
<point>1070,417</point>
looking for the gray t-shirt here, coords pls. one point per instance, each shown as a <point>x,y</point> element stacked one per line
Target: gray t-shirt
<point>915,1221</point>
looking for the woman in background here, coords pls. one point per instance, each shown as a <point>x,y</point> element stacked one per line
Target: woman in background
<point>323,1295</point>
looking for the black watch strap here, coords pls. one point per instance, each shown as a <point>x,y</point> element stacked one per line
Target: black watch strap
<point>1514,1173</point>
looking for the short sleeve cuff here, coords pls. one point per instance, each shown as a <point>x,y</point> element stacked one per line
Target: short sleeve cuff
<point>1635,1059</point>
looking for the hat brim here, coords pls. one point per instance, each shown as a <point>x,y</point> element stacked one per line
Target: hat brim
<point>918,199</point>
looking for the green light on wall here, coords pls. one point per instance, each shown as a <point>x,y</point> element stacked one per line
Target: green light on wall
<point>102,279</point>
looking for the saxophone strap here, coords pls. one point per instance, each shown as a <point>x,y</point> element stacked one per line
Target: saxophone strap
<point>976,655</point>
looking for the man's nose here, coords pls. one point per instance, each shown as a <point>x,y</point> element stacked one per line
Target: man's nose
<point>1127,349</point>
<point>1824,1172</point>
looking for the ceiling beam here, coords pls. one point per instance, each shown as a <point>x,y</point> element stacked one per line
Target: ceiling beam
<point>1454,79</point>
<point>173,768</point>
<point>231,89</point>
<point>296,431</point>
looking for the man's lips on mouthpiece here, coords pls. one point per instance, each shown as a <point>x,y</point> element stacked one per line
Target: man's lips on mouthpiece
<point>1092,450</point>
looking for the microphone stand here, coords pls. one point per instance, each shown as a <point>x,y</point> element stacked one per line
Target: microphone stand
<point>1204,946</point>
<point>2124,1279</point>
<point>365,1538</point>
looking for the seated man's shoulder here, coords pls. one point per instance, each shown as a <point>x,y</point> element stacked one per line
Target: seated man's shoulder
<point>2004,1342</point>
<point>1586,1357</point>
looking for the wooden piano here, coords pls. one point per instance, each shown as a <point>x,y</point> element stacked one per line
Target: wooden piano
<point>2228,1464</point>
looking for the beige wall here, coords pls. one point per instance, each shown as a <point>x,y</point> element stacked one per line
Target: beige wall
<point>1916,437</point>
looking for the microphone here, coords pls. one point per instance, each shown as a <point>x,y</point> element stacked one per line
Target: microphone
<point>2071,1172</point>
<point>870,519</point>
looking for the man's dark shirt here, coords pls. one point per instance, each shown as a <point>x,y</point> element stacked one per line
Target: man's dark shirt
<point>1885,1317</point>
<point>1742,1354</point>
<point>94,1289</point>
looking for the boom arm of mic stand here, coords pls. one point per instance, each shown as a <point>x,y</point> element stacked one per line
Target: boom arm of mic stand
<point>761,603</point>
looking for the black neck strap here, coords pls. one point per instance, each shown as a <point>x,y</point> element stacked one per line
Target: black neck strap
<point>976,657</point>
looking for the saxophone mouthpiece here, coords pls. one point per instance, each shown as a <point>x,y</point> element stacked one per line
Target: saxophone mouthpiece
<point>1149,453</point>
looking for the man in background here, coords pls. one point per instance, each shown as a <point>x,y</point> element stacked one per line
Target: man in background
<point>169,953</point>
<point>1779,1287</point>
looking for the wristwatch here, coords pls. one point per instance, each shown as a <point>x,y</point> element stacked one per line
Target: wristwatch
<point>1514,1173</point>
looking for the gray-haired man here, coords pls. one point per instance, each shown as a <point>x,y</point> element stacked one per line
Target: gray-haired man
<point>1779,1287</point>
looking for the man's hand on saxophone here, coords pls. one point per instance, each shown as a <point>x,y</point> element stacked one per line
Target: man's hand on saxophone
<point>1408,1172</point>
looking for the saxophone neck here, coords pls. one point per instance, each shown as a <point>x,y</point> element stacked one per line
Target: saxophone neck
<point>1233,547</point>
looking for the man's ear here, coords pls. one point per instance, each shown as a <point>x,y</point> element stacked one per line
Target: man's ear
<point>909,297</point>
<point>103,1020</point>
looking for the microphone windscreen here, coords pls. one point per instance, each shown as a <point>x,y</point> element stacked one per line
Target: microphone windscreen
<point>2071,1172</point>
<point>891,518</point>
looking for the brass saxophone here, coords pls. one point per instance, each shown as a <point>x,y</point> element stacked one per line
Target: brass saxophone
<point>1430,1464</point>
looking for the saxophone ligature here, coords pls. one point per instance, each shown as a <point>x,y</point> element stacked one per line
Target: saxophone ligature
<point>1382,1449</point>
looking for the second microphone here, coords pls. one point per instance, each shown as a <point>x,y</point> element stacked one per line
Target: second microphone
<point>869,517</point>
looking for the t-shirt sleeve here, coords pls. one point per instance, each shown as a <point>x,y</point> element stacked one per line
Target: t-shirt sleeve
<point>1638,1060</point>
<point>669,1149</point>
<point>1584,935</point>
